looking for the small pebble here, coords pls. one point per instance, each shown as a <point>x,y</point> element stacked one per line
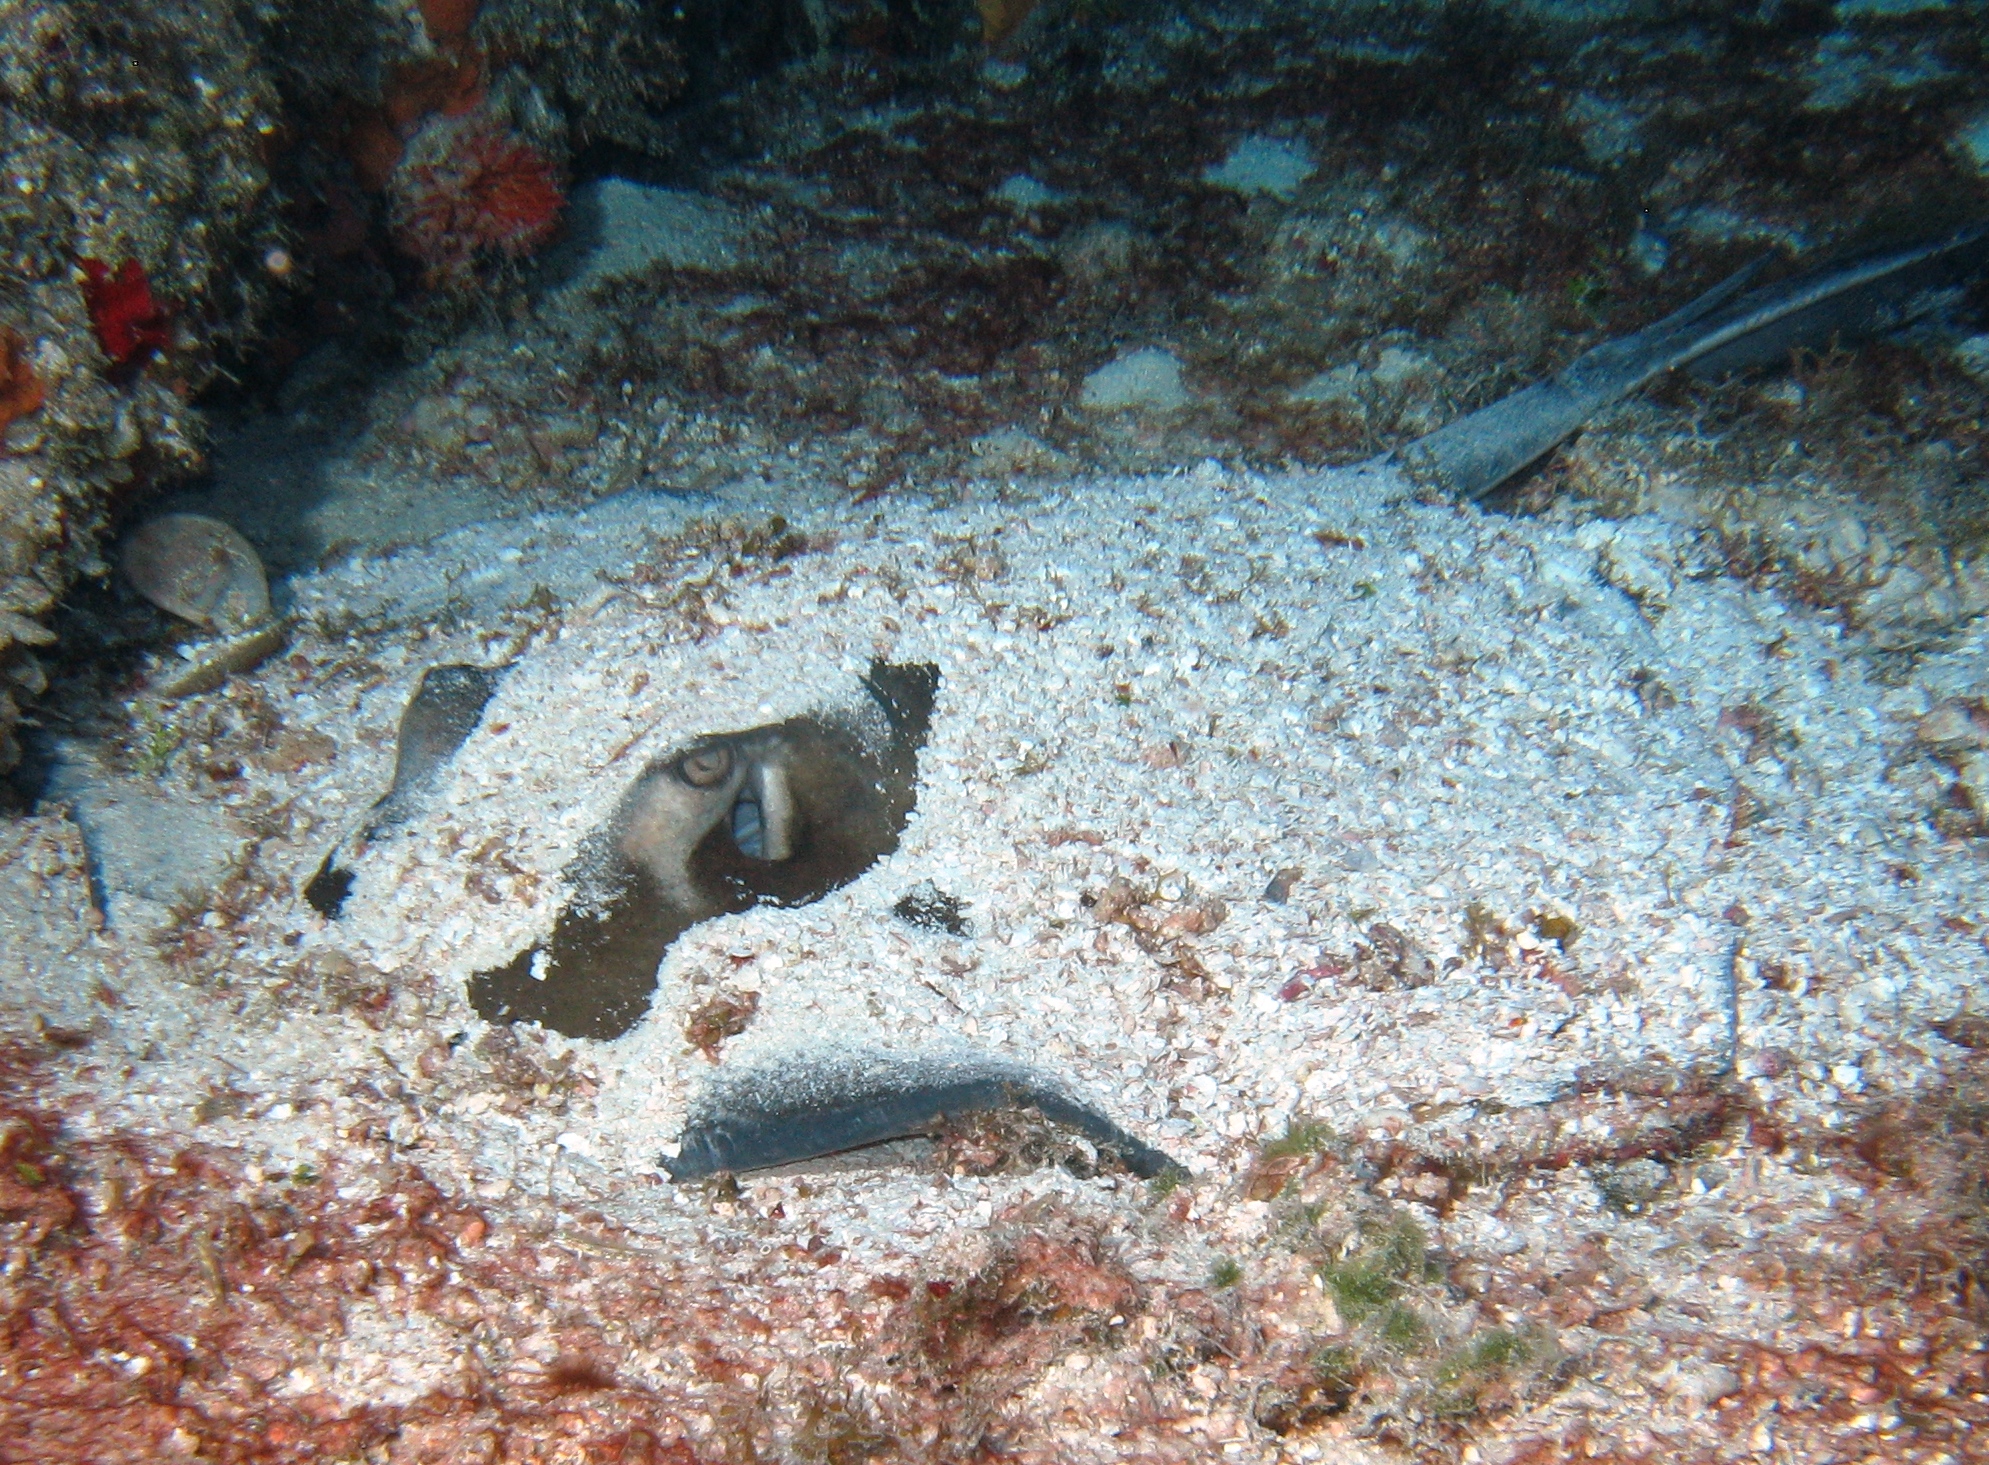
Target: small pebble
<point>1281,886</point>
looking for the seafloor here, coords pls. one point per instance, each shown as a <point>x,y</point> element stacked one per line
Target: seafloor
<point>1549,935</point>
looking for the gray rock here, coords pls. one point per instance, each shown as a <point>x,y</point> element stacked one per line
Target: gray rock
<point>1265,165</point>
<point>1147,380</point>
<point>618,228</point>
<point>1971,143</point>
<point>145,845</point>
<point>1024,194</point>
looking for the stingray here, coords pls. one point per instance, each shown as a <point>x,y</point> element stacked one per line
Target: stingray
<point>447,705</point>
<point>1729,328</point>
<point>831,1100</point>
<point>783,813</point>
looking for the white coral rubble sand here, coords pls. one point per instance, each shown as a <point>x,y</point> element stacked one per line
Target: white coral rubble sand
<point>1588,825</point>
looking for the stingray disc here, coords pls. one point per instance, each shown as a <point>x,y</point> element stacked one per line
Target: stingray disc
<point>200,570</point>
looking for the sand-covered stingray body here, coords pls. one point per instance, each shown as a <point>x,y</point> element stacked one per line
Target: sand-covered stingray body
<point>783,813</point>
<point>820,1103</point>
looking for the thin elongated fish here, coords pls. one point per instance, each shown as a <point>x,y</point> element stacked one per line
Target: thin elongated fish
<point>823,1103</point>
<point>1723,330</point>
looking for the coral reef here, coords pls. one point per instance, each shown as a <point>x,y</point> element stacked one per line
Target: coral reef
<point>186,188</point>
<point>143,245</point>
<point>1453,225</point>
<point>610,67</point>
<point>133,149</point>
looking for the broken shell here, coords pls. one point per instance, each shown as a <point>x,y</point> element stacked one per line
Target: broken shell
<point>200,570</point>
<point>208,664</point>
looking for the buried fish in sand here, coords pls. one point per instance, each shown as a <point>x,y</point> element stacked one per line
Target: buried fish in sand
<point>784,813</point>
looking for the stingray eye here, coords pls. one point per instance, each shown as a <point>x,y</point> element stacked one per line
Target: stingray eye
<point>705,767</point>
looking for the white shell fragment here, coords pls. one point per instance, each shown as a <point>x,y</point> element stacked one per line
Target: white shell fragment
<point>200,570</point>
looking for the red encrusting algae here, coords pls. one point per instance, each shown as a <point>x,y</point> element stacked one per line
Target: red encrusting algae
<point>160,1304</point>
<point>471,190</point>
<point>448,20</point>
<point>131,326</point>
<point>20,389</point>
<point>450,82</point>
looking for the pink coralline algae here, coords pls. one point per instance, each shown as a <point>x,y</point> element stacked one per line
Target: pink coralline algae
<point>470,189</point>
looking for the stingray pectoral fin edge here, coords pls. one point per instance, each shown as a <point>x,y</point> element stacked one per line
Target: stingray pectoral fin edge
<point>1472,456</point>
<point>448,702</point>
<point>1724,329</point>
<point>784,1123</point>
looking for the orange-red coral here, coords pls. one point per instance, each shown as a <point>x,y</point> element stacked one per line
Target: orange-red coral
<point>448,20</point>
<point>473,189</point>
<point>20,389</point>
<point>449,85</point>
